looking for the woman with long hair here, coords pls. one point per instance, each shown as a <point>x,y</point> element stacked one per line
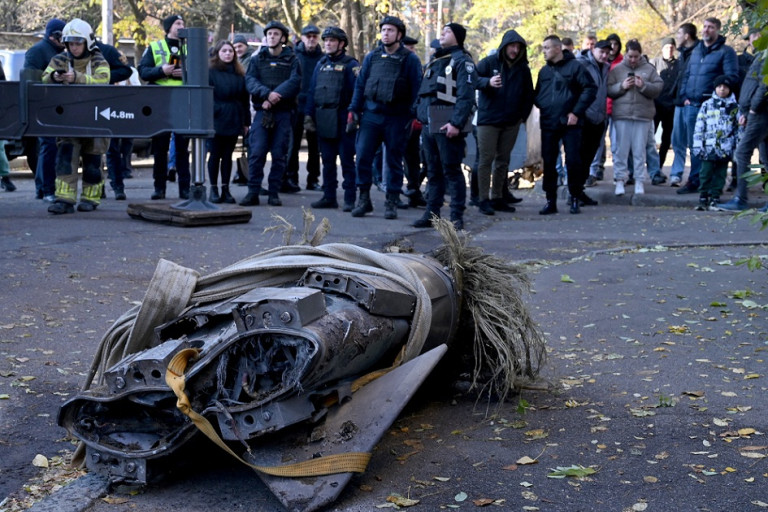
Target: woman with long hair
<point>230,116</point>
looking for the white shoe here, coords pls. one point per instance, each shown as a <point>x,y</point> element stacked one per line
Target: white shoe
<point>619,188</point>
<point>50,199</point>
<point>674,181</point>
<point>639,188</point>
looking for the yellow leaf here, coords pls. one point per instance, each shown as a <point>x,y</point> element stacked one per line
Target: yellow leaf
<point>650,479</point>
<point>40,461</point>
<point>115,500</point>
<point>482,502</point>
<point>27,378</point>
<point>730,469</point>
<point>401,501</point>
<point>526,460</point>
<point>752,376</point>
<point>746,431</point>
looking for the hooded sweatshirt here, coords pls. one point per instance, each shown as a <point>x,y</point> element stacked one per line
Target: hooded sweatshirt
<point>513,101</point>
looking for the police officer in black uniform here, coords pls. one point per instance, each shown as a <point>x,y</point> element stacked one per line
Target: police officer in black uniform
<point>445,107</point>
<point>382,104</point>
<point>273,79</point>
<point>330,93</point>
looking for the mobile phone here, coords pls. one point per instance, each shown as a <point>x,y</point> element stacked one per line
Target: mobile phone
<point>175,60</point>
<point>631,74</point>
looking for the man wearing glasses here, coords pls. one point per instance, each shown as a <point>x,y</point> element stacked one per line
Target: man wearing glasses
<point>38,57</point>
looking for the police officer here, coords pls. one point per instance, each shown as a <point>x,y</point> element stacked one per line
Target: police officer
<point>161,65</point>
<point>273,79</point>
<point>445,107</point>
<point>330,92</point>
<point>382,104</point>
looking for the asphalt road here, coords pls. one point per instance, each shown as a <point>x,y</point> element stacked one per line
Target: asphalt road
<point>656,375</point>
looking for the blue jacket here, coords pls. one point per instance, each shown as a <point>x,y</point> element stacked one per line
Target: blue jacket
<point>706,64</point>
<point>39,55</point>
<point>288,89</point>
<point>346,90</point>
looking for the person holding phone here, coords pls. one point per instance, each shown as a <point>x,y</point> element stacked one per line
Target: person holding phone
<point>633,85</point>
<point>161,65</point>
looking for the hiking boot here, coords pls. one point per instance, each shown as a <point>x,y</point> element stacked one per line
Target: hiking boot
<point>390,206</point>
<point>184,194</point>
<point>363,204</point>
<point>325,202</point>
<point>120,195</point>
<point>485,207</point>
<point>348,206</point>
<point>458,223</point>
<point>60,207</point>
<point>250,199</point>
<point>591,181</point>
<point>157,194</point>
<point>703,204</point>
<point>290,187</point>
<point>424,222</point>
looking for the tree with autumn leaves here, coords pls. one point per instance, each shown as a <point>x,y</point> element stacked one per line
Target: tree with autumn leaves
<point>647,20</point>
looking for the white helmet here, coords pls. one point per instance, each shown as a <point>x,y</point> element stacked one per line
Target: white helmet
<point>76,31</point>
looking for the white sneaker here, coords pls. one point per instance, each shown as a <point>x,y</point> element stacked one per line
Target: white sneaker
<point>639,188</point>
<point>50,199</point>
<point>619,188</point>
<point>674,181</point>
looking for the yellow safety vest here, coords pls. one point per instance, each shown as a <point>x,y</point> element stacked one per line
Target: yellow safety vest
<point>161,52</point>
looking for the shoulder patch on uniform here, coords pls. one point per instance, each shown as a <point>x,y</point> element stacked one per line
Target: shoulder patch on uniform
<point>356,69</point>
<point>470,67</point>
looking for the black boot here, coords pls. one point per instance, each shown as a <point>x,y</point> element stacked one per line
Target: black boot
<point>250,199</point>
<point>158,194</point>
<point>7,184</point>
<point>325,202</point>
<point>509,197</point>
<point>226,197</point>
<point>575,205</point>
<point>390,205</point>
<point>549,208</point>
<point>274,199</point>
<point>703,203</point>
<point>485,207</point>
<point>363,204</point>
<point>501,205</point>
<point>425,221</point>
<point>585,200</point>
<point>214,195</point>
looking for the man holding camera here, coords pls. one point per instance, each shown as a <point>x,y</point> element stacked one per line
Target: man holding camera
<point>161,65</point>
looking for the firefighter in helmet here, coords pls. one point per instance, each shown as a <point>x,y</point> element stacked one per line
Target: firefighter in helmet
<point>80,63</point>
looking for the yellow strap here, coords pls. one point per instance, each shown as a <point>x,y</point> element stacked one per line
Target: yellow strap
<point>354,462</point>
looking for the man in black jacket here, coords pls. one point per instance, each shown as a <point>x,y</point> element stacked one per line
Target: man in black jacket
<point>38,57</point>
<point>308,53</point>
<point>273,80</point>
<point>564,91</point>
<point>445,104</point>
<point>505,99</point>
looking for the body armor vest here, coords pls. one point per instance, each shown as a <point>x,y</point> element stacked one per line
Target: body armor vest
<point>385,77</point>
<point>273,71</point>
<point>330,80</point>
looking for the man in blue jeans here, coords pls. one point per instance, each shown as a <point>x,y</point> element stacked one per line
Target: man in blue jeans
<point>382,105</point>
<point>710,58</point>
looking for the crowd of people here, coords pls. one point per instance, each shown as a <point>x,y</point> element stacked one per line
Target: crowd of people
<point>391,120</point>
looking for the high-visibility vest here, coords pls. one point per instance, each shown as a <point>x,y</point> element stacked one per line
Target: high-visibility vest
<point>161,52</point>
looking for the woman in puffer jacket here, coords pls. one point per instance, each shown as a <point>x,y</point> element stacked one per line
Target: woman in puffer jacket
<point>633,85</point>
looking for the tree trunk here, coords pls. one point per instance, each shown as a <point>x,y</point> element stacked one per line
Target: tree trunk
<point>224,20</point>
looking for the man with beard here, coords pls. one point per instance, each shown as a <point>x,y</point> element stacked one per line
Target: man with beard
<point>505,100</point>
<point>710,58</point>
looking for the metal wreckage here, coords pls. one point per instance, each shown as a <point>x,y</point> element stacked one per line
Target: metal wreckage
<point>296,360</point>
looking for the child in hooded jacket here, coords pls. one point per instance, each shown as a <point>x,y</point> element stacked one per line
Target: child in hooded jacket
<point>714,140</point>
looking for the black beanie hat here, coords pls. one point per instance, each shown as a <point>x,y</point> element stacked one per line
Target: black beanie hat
<point>723,80</point>
<point>169,21</point>
<point>458,31</point>
<point>614,37</point>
